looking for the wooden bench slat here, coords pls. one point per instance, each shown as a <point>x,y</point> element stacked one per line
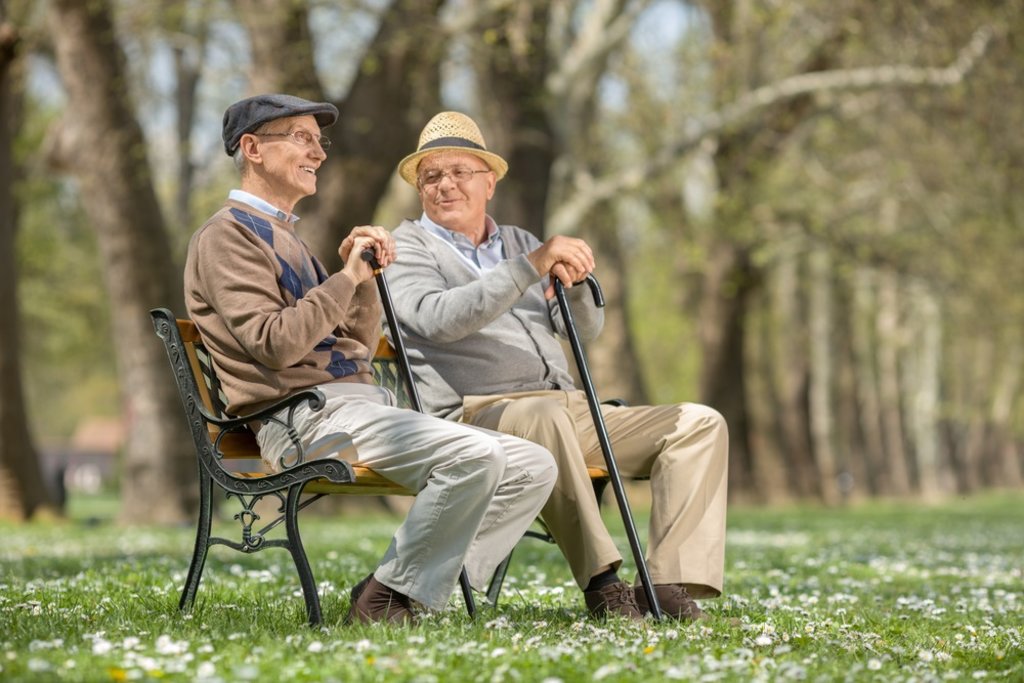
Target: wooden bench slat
<point>367,483</point>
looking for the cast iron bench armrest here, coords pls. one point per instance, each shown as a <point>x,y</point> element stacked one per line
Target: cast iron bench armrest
<point>315,399</point>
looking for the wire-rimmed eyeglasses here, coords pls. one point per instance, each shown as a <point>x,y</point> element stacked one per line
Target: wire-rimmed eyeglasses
<point>459,174</point>
<point>302,137</point>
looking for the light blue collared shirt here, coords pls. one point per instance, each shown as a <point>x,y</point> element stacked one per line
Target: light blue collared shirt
<point>490,253</point>
<point>261,205</point>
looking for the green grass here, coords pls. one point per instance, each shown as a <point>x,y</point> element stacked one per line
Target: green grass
<point>879,592</point>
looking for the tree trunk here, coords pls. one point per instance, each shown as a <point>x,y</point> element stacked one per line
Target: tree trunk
<point>869,404</point>
<point>822,408</point>
<point>514,103</point>
<point>1007,388</point>
<point>890,397</point>
<point>792,371</point>
<point>889,338</point>
<point>728,282</point>
<point>924,406</point>
<point>102,144</point>
<point>851,450</point>
<point>188,63</point>
<point>22,489</point>
<point>613,356</point>
<point>772,472</point>
<point>979,369</point>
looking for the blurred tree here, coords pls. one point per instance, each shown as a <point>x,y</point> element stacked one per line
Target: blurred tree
<point>23,493</point>
<point>188,26</point>
<point>100,142</point>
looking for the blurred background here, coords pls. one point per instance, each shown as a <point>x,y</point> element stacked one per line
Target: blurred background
<point>806,214</point>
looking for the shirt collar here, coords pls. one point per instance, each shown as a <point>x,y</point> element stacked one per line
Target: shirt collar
<point>481,258</point>
<point>490,227</point>
<point>261,205</point>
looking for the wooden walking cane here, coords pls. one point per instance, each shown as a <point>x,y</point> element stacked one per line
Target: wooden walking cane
<point>602,435</point>
<point>403,366</point>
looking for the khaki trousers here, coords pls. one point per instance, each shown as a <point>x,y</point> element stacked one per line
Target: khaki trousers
<point>682,448</point>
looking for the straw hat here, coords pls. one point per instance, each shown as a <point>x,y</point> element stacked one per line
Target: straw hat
<point>453,131</point>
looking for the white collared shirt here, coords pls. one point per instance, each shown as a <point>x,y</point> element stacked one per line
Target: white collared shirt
<point>482,258</point>
<point>261,204</point>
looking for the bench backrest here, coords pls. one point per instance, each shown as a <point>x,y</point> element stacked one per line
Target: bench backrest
<point>234,445</point>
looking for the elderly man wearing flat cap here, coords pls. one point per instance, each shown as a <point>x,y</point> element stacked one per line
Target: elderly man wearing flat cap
<point>276,322</point>
<point>475,300</point>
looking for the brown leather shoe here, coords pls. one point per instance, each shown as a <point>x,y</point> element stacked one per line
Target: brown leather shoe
<point>372,601</point>
<point>614,599</point>
<point>673,599</point>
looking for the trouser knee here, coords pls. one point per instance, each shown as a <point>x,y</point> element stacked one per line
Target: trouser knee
<point>480,459</point>
<point>536,418</point>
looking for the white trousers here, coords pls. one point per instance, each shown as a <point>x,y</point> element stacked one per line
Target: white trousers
<point>479,490</point>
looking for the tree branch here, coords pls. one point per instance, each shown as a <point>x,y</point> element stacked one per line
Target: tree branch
<point>474,16</point>
<point>589,192</point>
<point>606,26</point>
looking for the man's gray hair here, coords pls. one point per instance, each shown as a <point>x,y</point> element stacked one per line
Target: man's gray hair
<point>240,161</point>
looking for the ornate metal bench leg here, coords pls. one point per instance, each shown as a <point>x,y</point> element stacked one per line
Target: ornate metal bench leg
<point>195,569</point>
<point>291,522</point>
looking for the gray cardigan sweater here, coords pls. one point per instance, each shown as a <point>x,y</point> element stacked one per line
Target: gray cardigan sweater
<point>479,333</point>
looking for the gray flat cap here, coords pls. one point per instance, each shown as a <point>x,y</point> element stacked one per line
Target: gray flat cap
<point>247,115</point>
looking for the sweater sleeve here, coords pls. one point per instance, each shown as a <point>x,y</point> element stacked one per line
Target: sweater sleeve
<point>240,282</point>
<point>362,320</point>
<point>428,302</point>
<point>588,317</point>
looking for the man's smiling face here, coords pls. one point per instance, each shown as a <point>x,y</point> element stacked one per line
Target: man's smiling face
<point>289,157</point>
<point>459,205</point>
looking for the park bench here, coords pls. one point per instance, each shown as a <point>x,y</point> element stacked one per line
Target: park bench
<point>229,461</point>
<point>220,438</point>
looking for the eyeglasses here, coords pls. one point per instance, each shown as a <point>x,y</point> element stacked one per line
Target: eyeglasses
<point>302,137</point>
<point>459,174</point>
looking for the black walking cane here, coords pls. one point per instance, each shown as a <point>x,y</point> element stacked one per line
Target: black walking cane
<point>403,366</point>
<point>602,435</point>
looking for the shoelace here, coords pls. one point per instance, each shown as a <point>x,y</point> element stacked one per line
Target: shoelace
<point>620,594</point>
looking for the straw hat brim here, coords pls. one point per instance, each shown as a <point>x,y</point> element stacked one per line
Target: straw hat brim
<point>409,165</point>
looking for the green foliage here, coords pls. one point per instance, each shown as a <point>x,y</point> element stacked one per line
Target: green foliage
<point>64,309</point>
<point>882,592</point>
<point>669,349</point>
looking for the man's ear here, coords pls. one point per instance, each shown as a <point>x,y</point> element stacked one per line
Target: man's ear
<point>250,146</point>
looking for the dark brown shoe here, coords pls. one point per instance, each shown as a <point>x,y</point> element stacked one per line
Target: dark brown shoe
<point>615,599</point>
<point>673,599</point>
<point>372,601</point>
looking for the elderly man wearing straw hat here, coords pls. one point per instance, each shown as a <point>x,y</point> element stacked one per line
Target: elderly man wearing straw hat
<point>276,322</point>
<point>475,301</point>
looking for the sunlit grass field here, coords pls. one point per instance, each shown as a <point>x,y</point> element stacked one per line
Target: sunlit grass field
<point>876,592</point>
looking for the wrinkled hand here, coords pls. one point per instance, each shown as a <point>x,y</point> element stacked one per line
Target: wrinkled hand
<point>561,272</point>
<point>568,259</point>
<point>364,237</point>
